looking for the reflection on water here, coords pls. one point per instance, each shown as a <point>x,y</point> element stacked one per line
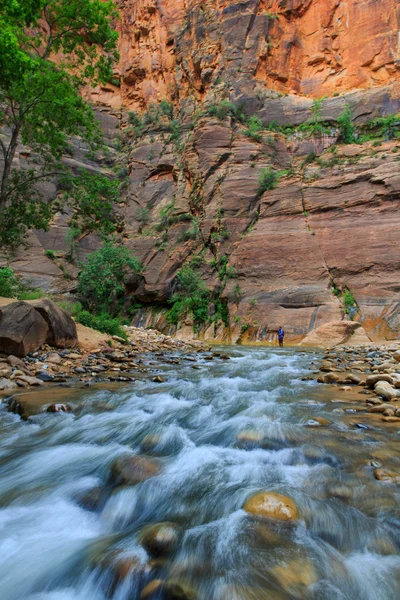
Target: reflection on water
<point>217,435</point>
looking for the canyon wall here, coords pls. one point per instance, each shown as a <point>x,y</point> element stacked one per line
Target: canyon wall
<point>332,222</point>
<point>179,49</point>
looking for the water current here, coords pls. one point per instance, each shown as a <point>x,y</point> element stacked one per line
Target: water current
<point>220,433</point>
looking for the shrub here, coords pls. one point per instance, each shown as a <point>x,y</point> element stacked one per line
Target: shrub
<point>134,119</point>
<point>268,180</point>
<point>9,284</point>
<point>102,322</point>
<point>30,294</point>
<point>101,283</point>
<point>192,297</point>
<point>221,110</point>
<point>71,307</point>
<point>254,125</point>
<point>167,109</point>
<point>348,301</point>
<point>191,233</point>
<point>50,254</point>
<point>142,215</point>
<point>346,126</point>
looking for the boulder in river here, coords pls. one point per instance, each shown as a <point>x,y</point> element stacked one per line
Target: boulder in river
<point>130,469</point>
<point>271,505</point>
<point>160,539</point>
<point>387,476</point>
<point>152,590</point>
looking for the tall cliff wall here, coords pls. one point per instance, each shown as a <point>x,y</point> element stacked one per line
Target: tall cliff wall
<point>181,48</point>
<point>332,223</point>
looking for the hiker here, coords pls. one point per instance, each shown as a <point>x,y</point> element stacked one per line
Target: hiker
<point>281,335</point>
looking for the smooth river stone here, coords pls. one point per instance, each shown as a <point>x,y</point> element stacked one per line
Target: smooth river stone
<point>271,505</point>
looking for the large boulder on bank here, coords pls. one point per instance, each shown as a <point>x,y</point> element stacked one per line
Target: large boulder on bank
<point>335,333</point>
<point>62,328</point>
<point>22,329</point>
<point>25,326</point>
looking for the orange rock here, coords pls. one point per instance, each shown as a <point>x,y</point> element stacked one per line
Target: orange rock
<point>271,505</point>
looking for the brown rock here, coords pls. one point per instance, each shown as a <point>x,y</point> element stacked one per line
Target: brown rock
<point>130,469</point>
<point>328,378</point>
<point>334,333</point>
<point>22,329</point>
<point>62,328</point>
<point>318,422</point>
<point>60,407</point>
<point>152,590</point>
<point>271,505</point>
<point>384,389</point>
<point>7,384</point>
<point>29,380</point>
<point>54,358</point>
<point>387,476</point>
<point>160,539</point>
<point>373,379</point>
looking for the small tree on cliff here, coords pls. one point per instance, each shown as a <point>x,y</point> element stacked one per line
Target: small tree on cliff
<point>49,49</point>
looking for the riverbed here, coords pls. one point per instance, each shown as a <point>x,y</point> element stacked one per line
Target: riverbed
<point>219,432</point>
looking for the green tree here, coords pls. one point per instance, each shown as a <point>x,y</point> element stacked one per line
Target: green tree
<point>346,125</point>
<point>101,283</point>
<point>91,196</point>
<point>48,50</point>
<point>192,297</point>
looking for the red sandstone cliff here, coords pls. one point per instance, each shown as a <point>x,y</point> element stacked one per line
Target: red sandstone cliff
<point>175,49</point>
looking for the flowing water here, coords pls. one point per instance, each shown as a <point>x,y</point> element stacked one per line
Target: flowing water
<point>205,426</point>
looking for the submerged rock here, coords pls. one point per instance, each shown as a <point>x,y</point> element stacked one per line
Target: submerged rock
<point>388,476</point>
<point>160,539</point>
<point>130,469</point>
<point>271,505</point>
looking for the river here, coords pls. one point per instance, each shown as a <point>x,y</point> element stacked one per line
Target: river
<point>220,432</point>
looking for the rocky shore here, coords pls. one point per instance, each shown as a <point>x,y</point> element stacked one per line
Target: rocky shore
<point>113,360</point>
<point>368,376</point>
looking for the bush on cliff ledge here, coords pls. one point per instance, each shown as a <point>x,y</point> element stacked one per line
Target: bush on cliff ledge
<point>268,180</point>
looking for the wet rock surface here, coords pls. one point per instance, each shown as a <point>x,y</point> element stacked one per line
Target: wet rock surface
<point>368,377</point>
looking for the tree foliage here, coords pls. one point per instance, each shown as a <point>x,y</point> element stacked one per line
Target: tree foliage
<point>48,50</point>
<point>101,283</point>
<point>192,297</point>
<point>346,126</point>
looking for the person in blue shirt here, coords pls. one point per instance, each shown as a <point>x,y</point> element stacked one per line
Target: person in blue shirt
<point>281,335</point>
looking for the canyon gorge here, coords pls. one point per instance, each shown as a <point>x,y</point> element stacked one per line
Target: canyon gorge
<point>209,95</point>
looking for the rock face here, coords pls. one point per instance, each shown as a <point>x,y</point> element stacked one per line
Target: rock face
<point>337,332</point>
<point>173,48</point>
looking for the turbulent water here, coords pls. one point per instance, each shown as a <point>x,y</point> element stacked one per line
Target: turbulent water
<point>200,425</point>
